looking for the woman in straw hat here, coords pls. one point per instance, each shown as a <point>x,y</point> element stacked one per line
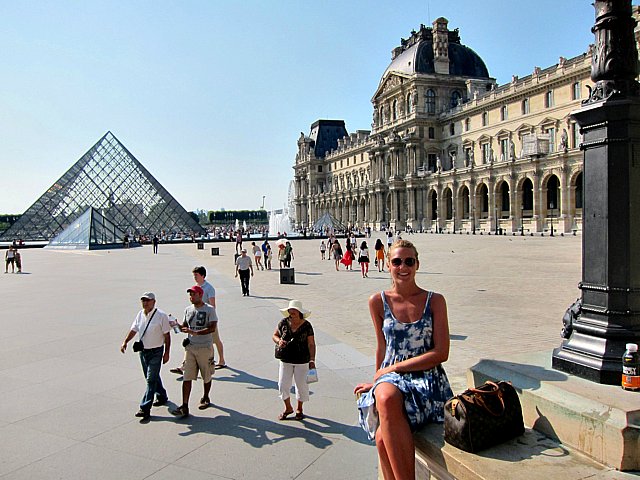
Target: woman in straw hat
<point>294,335</point>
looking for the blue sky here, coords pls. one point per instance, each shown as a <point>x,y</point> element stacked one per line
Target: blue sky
<point>211,96</point>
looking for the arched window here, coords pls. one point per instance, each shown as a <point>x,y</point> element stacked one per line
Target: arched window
<point>483,193</point>
<point>409,108</point>
<point>455,98</point>
<point>553,189</point>
<point>504,191</point>
<point>527,198</point>
<point>448,200</point>
<point>430,101</point>
<point>395,110</point>
<point>579,192</point>
<point>485,119</point>
<point>525,106</point>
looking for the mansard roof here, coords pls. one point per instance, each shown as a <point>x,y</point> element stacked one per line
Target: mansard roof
<point>415,55</point>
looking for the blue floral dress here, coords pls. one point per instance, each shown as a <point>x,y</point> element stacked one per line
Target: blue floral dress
<point>425,392</point>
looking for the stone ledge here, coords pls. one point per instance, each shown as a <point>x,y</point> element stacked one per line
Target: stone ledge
<point>601,421</point>
<point>533,456</point>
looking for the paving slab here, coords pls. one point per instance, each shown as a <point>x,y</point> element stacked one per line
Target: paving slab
<point>64,382</point>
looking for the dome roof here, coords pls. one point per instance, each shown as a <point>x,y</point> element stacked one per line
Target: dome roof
<point>415,55</point>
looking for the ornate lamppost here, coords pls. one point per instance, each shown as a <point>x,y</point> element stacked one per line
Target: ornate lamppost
<point>609,316</point>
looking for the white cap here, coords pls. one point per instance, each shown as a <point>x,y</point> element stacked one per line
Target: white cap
<point>632,347</point>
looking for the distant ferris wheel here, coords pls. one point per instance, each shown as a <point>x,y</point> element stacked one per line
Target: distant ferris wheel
<point>291,204</point>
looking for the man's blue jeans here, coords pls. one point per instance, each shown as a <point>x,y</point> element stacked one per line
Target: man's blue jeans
<point>151,361</point>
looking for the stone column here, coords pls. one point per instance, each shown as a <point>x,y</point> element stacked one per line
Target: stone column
<point>564,222</point>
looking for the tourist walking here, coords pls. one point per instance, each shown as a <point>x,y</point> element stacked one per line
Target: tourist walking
<point>199,323</point>
<point>266,249</point>
<point>257,255</point>
<point>337,253</point>
<point>244,268</point>
<point>288,254</point>
<point>410,386</point>
<point>347,257</point>
<point>238,241</point>
<point>323,249</point>
<point>294,336</point>
<point>379,248</point>
<point>153,346</point>
<point>155,242</point>
<point>18,256</point>
<point>363,259</point>
<point>10,259</point>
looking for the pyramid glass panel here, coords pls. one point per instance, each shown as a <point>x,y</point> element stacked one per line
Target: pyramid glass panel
<point>110,179</point>
<point>89,231</point>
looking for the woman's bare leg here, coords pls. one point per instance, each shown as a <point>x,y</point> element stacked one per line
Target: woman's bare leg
<point>394,430</point>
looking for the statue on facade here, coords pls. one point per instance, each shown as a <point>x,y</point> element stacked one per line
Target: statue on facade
<point>472,158</point>
<point>452,155</point>
<point>438,164</point>
<point>512,150</point>
<point>564,141</point>
<point>490,155</point>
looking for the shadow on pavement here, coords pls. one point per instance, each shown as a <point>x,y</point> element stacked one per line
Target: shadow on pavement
<point>240,376</point>
<point>254,431</point>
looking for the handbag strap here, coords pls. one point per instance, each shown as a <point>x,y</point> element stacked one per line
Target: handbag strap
<point>148,323</point>
<point>479,397</point>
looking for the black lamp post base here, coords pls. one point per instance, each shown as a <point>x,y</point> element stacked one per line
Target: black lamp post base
<point>595,369</point>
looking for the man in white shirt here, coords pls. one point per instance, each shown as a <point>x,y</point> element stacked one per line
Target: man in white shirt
<point>243,267</point>
<point>152,325</point>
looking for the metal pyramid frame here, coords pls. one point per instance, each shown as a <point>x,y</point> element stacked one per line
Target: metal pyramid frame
<point>110,179</point>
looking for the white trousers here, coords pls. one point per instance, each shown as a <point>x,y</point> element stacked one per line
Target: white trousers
<point>298,373</point>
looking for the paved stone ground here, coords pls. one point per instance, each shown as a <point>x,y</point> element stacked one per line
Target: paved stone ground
<point>68,395</point>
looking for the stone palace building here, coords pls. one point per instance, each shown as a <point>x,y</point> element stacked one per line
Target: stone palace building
<point>449,149</point>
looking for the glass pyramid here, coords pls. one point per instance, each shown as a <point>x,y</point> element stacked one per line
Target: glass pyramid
<point>110,179</point>
<point>90,231</point>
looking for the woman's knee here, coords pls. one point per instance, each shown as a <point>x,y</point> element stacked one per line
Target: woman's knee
<point>388,399</point>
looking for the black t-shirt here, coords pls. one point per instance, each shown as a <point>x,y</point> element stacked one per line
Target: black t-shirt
<point>297,349</point>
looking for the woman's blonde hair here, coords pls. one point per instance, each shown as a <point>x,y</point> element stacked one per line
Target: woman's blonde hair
<point>403,244</point>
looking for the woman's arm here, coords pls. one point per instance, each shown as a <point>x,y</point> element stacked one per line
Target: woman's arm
<point>440,351</point>
<point>376,309</point>
<point>277,339</point>
<point>311,342</point>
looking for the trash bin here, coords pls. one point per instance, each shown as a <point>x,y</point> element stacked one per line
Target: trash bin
<point>215,251</point>
<point>287,275</point>
<point>200,245</point>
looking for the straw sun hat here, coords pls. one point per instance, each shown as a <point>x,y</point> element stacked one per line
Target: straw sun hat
<point>296,305</point>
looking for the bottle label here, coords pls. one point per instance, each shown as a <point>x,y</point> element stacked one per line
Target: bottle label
<point>631,381</point>
<point>629,370</point>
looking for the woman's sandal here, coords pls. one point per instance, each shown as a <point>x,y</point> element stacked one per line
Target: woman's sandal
<point>299,415</point>
<point>284,415</point>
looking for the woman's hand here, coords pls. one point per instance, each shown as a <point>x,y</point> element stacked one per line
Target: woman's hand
<point>282,343</point>
<point>362,388</point>
<point>382,371</point>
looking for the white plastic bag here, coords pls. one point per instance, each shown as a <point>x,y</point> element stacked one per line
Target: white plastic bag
<point>312,375</point>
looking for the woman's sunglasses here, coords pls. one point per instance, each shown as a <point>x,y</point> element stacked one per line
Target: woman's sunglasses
<point>409,261</point>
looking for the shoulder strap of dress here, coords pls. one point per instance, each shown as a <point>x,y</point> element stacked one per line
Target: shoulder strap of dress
<point>385,305</point>
<point>427,304</point>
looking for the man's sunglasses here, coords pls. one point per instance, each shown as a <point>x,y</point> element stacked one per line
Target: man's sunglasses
<point>409,261</point>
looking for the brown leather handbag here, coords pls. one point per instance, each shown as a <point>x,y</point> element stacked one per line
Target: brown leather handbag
<point>482,417</point>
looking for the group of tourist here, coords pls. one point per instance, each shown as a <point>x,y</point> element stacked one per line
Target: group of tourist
<point>409,387</point>
<point>154,343</point>
<point>349,255</point>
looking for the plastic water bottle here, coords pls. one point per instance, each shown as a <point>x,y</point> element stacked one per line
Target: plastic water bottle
<point>631,368</point>
<point>174,323</point>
